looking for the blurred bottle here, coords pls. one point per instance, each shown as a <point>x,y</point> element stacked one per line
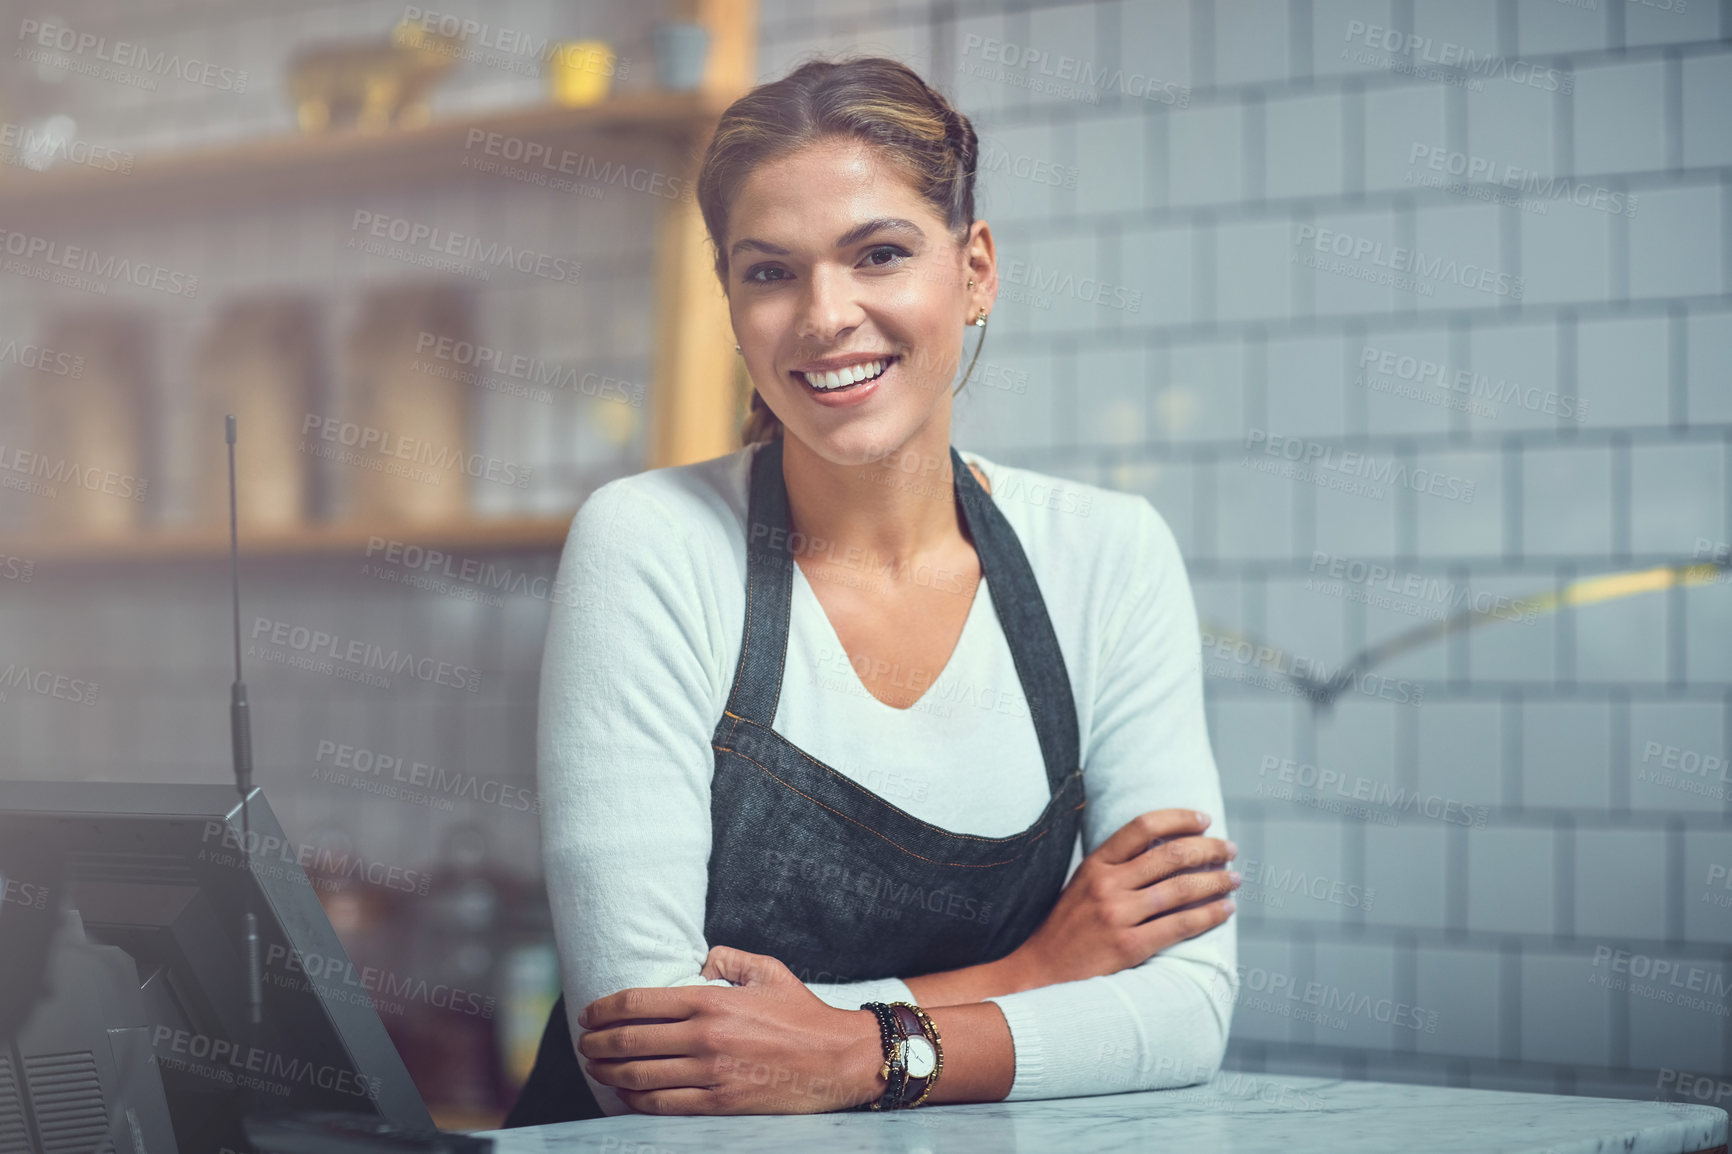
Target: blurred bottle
<point>529,984</point>
<point>367,916</point>
<point>452,1041</point>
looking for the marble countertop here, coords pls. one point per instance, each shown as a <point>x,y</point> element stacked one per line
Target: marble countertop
<point>1236,1113</point>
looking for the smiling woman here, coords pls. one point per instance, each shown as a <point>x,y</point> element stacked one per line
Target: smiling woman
<point>745,925</point>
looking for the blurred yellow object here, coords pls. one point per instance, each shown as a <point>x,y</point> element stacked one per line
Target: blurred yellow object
<point>582,72</point>
<point>369,84</point>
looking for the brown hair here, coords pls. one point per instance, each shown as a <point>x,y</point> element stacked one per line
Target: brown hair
<point>874,99</point>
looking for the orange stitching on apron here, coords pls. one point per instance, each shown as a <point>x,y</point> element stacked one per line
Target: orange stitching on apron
<point>782,666</point>
<point>844,779</point>
<point>869,829</point>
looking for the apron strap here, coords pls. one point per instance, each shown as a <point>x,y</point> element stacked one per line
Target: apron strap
<point>769,591</point>
<point>1027,627</point>
<point>1015,597</point>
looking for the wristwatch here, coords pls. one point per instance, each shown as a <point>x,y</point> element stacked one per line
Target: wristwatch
<point>919,1052</point>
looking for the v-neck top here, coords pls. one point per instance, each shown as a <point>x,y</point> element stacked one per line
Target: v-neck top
<point>975,702</point>
<point>642,643</point>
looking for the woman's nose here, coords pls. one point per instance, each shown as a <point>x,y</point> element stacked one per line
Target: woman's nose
<point>829,309</point>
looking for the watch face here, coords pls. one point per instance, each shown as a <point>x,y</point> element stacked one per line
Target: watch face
<point>920,1057</point>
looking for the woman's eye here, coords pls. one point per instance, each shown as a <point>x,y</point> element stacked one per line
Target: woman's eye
<point>759,273</point>
<point>886,255</point>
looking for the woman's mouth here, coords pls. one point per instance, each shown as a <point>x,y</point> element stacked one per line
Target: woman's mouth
<point>851,377</point>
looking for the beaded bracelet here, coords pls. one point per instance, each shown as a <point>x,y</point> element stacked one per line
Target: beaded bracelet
<point>893,1072</point>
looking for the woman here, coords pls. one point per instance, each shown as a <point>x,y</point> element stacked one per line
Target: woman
<point>817,737</point>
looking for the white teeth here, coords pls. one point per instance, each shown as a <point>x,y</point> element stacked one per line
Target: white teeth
<point>847,376</point>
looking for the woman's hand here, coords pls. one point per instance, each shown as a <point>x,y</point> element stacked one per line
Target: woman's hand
<point>1102,923</point>
<point>766,1046</point>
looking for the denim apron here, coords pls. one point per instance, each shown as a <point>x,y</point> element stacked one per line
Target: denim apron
<point>808,866</point>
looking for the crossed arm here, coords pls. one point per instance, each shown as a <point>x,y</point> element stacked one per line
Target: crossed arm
<point>768,1045</point>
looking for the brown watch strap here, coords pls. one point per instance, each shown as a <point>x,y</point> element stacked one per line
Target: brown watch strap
<point>908,1024</point>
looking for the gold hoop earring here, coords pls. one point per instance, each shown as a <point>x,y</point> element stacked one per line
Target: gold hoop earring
<point>980,321</point>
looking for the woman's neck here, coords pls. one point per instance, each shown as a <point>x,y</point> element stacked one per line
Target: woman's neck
<point>897,508</point>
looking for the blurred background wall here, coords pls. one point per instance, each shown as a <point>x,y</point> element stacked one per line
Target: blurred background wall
<point>1393,310</point>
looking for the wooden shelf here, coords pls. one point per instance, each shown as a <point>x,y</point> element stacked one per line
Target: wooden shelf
<point>249,172</point>
<point>694,411</point>
<point>463,538</point>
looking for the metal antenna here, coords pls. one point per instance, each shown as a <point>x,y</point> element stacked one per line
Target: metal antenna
<point>241,730</point>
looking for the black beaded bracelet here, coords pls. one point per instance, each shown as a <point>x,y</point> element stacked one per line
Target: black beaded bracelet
<point>896,1075</point>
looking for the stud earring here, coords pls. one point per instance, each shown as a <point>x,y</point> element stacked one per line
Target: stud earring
<point>736,348</point>
<point>980,321</point>
<point>970,282</point>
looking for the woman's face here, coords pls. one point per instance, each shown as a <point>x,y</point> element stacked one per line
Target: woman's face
<point>837,265</point>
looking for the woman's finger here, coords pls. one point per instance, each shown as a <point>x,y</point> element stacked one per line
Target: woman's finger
<point>637,1040</point>
<point>654,1073</point>
<point>1173,857</point>
<point>653,1003</point>
<point>1134,836</point>
<point>1174,928</point>
<point>1165,898</point>
<point>683,1100</point>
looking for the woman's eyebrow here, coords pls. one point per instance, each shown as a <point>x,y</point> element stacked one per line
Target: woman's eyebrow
<point>760,245</point>
<point>883,224</point>
<point>853,236</point>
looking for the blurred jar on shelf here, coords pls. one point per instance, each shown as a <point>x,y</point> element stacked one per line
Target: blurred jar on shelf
<point>260,361</point>
<point>396,441</point>
<point>73,459</point>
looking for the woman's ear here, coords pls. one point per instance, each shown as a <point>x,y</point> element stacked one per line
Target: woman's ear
<point>979,258</point>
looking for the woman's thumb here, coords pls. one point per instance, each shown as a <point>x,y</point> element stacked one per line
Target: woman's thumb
<point>742,968</point>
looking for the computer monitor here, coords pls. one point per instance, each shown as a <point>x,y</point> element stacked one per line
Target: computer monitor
<point>166,874</point>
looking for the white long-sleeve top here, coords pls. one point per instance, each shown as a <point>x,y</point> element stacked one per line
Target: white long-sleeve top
<point>642,643</point>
